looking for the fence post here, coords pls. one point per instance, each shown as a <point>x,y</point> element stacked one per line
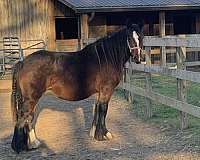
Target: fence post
<point>148,108</point>
<point>127,80</point>
<point>181,84</point>
<point>130,94</point>
<point>162,33</point>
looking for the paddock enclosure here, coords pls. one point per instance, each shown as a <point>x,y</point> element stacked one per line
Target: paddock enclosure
<point>154,112</point>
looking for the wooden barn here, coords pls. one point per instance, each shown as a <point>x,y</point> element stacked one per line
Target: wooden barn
<point>68,25</point>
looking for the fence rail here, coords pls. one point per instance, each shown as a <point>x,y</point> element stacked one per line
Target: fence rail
<point>180,73</point>
<point>172,102</point>
<point>190,41</point>
<point>156,69</point>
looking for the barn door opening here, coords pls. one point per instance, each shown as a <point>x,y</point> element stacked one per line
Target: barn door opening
<point>66,28</point>
<point>66,33</point>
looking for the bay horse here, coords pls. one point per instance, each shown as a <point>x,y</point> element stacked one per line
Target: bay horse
<point>72,76</point>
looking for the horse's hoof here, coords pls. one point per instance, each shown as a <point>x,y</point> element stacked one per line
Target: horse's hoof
<point>102,137</point>
<point>34,145</point>
<point>108,136</point>
<point>19,141</point>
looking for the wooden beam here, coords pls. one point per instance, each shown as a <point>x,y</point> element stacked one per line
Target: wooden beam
<point>174,103</point>
<point>173,50</point>
<point>191,40</point>
<point>177,73</point>
<point>51,41</point>
<point>84,29</point>
<point>181,84</point>
<point>162,33</point>
<point>79,33</point>
<point>173,41</point>
<point>148,108</point>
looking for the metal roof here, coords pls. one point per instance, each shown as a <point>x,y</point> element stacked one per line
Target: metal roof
<point>122,5</point>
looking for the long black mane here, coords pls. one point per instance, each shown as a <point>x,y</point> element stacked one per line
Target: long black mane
<point>112,49</point>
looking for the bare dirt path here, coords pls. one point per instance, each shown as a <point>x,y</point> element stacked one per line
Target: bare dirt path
<point>63,128</point>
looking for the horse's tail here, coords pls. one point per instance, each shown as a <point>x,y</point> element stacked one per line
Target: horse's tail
<point>16,96</point>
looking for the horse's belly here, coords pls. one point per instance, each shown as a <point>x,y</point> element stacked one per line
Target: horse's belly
<point>71,93</point>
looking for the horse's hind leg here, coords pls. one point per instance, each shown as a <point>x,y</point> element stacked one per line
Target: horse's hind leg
<point>24,137</point>
<point>99,130</point>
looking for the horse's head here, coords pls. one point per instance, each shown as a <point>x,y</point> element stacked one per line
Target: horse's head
<point>134,41</point>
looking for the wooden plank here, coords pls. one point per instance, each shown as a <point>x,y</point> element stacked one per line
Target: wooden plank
<point>171,102</point>
<point>148,108</point>
<point>181,84</point>
<point>187,64</point>
<point>173,41</point>
<point>98,26</point>
<point>67,45</point>
<point>128,80</point>
<point>177,73</point>
<point>84,29</point>
<point>162,34</point>
<point>51,26</point>
<point>173,50</point>
<point>195,63</point>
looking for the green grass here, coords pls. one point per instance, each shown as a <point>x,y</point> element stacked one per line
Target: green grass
<point>162,114</point>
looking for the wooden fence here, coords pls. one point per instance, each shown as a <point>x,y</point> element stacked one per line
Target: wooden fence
<point>180,73</point>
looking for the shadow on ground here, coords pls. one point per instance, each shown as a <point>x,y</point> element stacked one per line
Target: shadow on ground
<point>63,127</point>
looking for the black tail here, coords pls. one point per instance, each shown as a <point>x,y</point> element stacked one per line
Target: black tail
<point>16,96</point>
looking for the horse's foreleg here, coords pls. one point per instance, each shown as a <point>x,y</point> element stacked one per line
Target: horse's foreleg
<point>99,130</point>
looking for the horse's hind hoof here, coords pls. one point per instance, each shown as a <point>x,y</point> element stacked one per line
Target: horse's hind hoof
<point>19,141</point>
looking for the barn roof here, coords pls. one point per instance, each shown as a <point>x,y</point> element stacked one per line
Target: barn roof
<point>130,5</point>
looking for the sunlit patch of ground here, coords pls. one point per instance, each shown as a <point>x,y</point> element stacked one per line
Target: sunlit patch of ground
<point>63,127</point>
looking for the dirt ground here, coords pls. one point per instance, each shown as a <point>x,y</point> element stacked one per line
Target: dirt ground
<point>63,127</point>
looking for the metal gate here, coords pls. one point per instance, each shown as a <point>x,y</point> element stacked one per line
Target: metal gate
<point>12,52</point>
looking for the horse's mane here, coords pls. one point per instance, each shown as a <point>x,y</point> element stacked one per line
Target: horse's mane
<point>112,48</point>
<point>110,36</point>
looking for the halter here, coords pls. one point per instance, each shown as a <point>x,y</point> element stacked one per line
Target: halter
<point>132,48</point>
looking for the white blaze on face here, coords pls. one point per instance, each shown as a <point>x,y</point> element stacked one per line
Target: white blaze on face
<point>136,38</point>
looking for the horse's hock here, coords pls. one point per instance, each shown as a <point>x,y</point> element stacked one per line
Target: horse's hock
<point>63,127</point>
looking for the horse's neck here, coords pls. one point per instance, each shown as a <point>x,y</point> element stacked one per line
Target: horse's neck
<point>122,54</point>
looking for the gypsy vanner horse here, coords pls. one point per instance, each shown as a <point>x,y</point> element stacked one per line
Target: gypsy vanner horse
<point>73,76</point>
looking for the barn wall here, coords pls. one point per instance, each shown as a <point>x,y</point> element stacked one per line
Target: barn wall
<point>28,19</point>
<point>97,27</point>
